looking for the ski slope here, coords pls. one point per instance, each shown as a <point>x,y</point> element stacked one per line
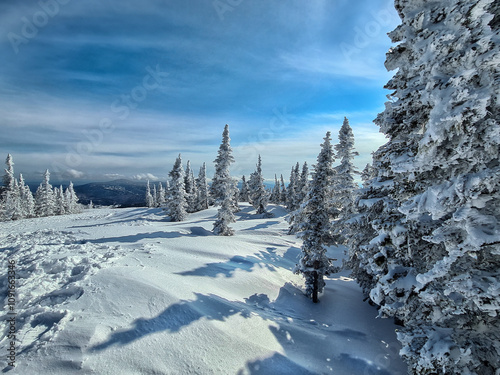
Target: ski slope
<point>125,291</point>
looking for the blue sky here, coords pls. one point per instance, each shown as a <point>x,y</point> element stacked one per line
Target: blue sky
<point>103,89</point>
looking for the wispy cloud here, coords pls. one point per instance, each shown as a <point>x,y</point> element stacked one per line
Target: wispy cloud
<point>87,62</point>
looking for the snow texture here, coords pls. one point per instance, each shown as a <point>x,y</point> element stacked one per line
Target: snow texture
<point>123,291</point>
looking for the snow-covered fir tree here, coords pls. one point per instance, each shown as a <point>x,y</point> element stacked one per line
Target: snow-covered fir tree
<point>222,175</point>
<point>244,195</point>
<point>202,197</point>
<point>259,197</point>
<point>60,204</point>
<point>276,192</point>
<point>344,188</point>
<point>303,184</point>
<point>71,200</point>
<point>190,186</point>
<point>26,199</point>
<point>283,191</point>
<point>368,173</point>
<point>154,194</point>
<point>160,195</point>
<point>292,190</point>
<point>177,204</point>
<point>296,217</point>
<point>9,178</point>
<point>223,187</point>
<point>434,250</point>
<point>315,229</point>
<point>11,203</point>
<point>149,197</point>
<point>45,204</point>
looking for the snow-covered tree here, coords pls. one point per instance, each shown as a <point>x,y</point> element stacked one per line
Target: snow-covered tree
<point>202,189</point>
<point>71,200</point>
<point>160,195</point>
<point>344,188</point>
<point>154,195</point>
<point>9,198</point>
<point>434,207</point>
<point>276,192</point>
<point>222,176</point>
<point>149,196</point>
<point>11,203</point>
<point>303,184</point>
<point>45,204</point>
<point>292,190</point>
<point>296,217</point>
<point>177,205</point>
<point>190,186</point>
<point>368,173</point>
<point>27,201</point>
<point>314,263</point>
<point>60,204</point>
<point>283,190</point>
<point>259,197</point>
<point>9,178</point>
<point>225,215</point>
<point>223,187</point>
<point>244,195</point>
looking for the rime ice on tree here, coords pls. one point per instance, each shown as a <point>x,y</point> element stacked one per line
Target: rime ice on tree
<point>314,263</point>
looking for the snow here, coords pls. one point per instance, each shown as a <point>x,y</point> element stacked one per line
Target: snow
<point>126,291</point>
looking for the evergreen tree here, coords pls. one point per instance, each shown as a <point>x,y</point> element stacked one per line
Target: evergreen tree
<point>222,179</point>
<point>314,263</point>
<point>190,187</point>
<point>202,189</point>
<point>9,178</point>
<point>344,187</point>
<point>71,200</point>
<point>44,199</point>
<point>296,217</point>
<point>160,195</point>
<point>303,184</point>
<point>283,190</point>
<point>177,205</point>
<point>292,190</point>
<point>258,194</point>
<point>433,204</point>
<point>244,195</point>
<point>149,196</point>
<point>60,203</point>
<point>12,209</point>
<point>276,192</point>
<point>223,187</point>
<point>367,173</point>
<point>26,199</point>
<point>154,195</point>
<point>9,198</point>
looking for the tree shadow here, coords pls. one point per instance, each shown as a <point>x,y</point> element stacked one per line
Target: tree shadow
<point>293,323</point>
<point>277,364</point>
<point>193,232</point>
<point>177,316</point>
<point>268,259</point>
<point>265,225</point>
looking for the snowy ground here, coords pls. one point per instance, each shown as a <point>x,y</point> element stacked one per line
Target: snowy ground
<point>124,291</point>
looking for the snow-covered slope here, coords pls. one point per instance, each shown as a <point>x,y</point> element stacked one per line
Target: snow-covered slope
<point>124,291</point>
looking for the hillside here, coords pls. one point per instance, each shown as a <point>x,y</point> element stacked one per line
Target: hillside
<point>124,291</point>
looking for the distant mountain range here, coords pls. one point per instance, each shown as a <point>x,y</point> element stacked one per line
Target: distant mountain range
<point>122,193</point>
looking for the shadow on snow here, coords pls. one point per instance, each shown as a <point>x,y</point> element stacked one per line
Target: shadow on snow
<point>301,337</point>
<point>264,259</point>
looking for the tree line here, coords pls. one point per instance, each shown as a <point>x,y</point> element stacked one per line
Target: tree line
<point>18,202</point>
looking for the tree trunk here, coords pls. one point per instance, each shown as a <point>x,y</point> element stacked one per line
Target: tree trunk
<point>315,287</point>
